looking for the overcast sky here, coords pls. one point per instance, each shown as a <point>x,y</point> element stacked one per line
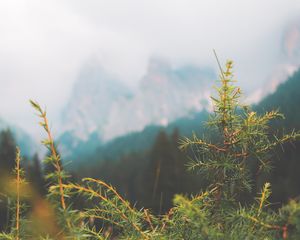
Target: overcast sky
<point>43,44</point>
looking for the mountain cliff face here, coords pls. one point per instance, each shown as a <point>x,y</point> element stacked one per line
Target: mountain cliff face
<point>104,108</point>
<point>164,94</point>
<point>93,96</point>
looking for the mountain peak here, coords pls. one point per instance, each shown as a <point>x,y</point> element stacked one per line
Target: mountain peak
<point>93,95</point>
<point>104,105</point>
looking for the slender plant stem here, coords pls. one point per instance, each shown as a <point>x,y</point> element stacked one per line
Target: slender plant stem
<point>57,165</point>
<point>18,158</point>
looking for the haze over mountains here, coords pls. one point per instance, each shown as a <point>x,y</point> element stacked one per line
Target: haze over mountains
<point>102,107</point>
<point>289,62</point>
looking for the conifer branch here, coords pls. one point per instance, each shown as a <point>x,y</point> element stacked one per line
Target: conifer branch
<point>263,197</point>
<point>55,157</point>
<point>148,218</point>
<point>110,188</point>
<point>91,193</point>
<point>266,225</point>
<point>50,144</point>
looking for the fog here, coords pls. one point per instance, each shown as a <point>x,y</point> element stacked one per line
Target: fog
<point>44,44</point>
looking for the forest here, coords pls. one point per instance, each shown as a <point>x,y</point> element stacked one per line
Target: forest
<point>233,174</point>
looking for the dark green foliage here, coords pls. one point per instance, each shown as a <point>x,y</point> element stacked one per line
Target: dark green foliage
<point>165,175</point>
<point>7,156</point>
<point>7,151</point>
<point>36,176</point>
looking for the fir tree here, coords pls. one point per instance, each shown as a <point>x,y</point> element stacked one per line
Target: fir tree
<point>7,155</point>
<point>244,138</point>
